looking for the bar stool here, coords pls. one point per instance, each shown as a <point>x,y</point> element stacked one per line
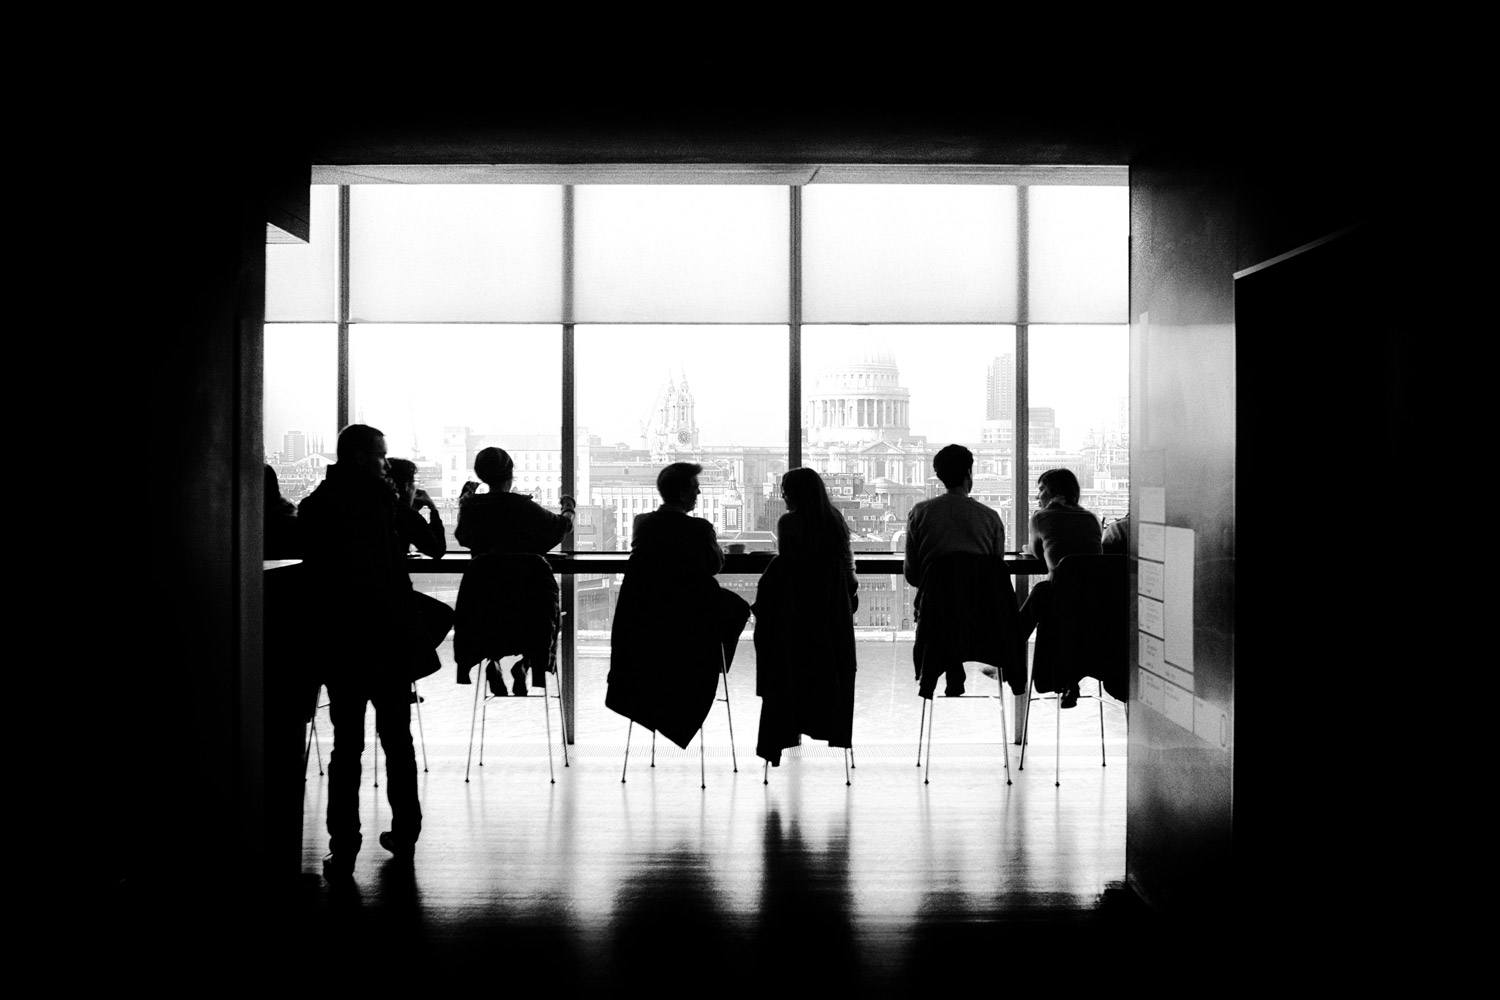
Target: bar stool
<point>484,715</point>
<point>1057,750</point>
<point>702,766</point>
<point>928,723</point>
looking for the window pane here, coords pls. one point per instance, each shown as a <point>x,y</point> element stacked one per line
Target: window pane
<point>441,394</point>
<point>301,404</point>
<point>878,402</point>
<point>1080,415</point>
<point>302,278</point>
<point>685,254</point>
<point>1079,254</point>
<point>894,253</point>
<point>456,253</point>
<point>715,395</point>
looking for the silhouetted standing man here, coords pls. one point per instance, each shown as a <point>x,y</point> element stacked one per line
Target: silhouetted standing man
<point>352,555</point>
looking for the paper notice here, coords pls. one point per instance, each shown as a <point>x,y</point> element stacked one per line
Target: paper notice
<point>1178,676</point>
<point>1153,505</point>
<point>1152,617</point>
<point>1179,706</point>
<point>1153,542</point>
<point>1152,654</point>
<point>1153,691</point>
<point>1153,580</point>
<point>1179,601</point>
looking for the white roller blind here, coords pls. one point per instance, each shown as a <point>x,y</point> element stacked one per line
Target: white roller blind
<point>302,278</point>
<point>456,253</point>
<point>897,253</point>
<point>683,254</point>
<point>1079,254</point>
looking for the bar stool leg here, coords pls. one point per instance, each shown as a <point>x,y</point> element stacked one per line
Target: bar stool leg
<point>931,725</point>
<point>921,726</point>
<point>627,751</point>
<point>1103,758</point>
<point>317,742</point>
<point>562,727</point>
<point>1026,724</point>
<point>724,670</point>
<point>422,735</point>
<point>702,766</point>
<point>1057,745</point>
<point>1004,736</point>
<point>547,711</point>
<point>851,757</point>
<point>765,774</point>
<point>484,717</point>
<point>847,782</point>
<point>653,748</point>
<point>474,712</point>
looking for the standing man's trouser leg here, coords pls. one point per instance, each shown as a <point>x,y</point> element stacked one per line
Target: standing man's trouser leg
<point>346,706</point>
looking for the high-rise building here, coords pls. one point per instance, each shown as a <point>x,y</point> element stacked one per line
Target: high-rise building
<point>293,446</point>
<point>1043,431</point>
<point>1000,389</point>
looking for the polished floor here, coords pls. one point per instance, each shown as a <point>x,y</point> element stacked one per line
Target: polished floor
<point>879,885</point>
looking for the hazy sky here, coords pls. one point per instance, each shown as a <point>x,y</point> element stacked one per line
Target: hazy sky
<point>412,380</point>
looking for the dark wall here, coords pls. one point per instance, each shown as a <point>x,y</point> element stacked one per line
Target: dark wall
<point>1274,413</point>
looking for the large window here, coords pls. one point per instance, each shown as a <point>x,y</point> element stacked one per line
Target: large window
<point>854,328</point>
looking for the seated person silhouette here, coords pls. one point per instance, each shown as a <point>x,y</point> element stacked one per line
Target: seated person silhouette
<point>1059,528</point>
<point>951,524</point>
<point>1116,538</point>
<point>673,621</point>
<point>282,533</point>
<point>434,616</point>
<point>372,644</point>
<point>503,522</point>
<point>804,624</point>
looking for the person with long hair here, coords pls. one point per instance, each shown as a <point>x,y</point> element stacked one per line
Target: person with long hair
<point>804,632</point>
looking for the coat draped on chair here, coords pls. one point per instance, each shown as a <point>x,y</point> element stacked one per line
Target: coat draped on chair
<point>507,605</point>
<point>804,653</point>
<point>967,613</point>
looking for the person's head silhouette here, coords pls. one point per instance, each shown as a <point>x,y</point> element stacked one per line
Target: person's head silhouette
<point>954,465</point>
<point>362,448</point>
<point>495,467</point>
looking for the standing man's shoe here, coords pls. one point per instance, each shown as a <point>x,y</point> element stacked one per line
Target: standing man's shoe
<point>403,849</point>
<point>1070,698</point>
<point>338,867</point>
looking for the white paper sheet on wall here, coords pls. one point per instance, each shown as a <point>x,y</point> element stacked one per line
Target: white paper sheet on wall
<point>1153,542</point>
<point>1152,654</point>
<point>1152,617</point>
<point>1178,609</point>
<point>1179,706</point>
<point>1153,579</point>
<point>1154,504</point>
<point>1153,691</point>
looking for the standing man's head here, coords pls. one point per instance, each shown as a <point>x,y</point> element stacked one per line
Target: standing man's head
<point>954,465</point>
<point>1057,486</point>
<point>495,467</point>
<point>678,485</point>
<point>362,448</point>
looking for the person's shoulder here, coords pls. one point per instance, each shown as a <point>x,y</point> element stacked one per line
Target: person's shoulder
<point>919,508</point>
